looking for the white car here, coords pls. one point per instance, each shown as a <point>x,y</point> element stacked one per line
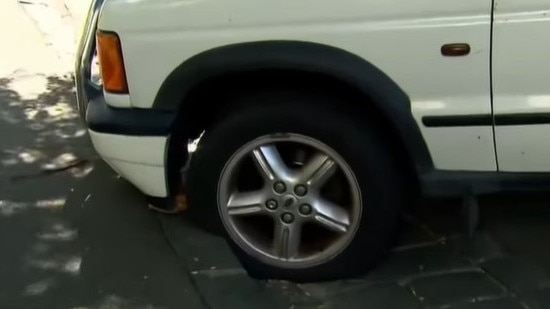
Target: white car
<point>322,120</point>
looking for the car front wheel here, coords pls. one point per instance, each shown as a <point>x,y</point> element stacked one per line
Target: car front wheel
<point>301,189</point>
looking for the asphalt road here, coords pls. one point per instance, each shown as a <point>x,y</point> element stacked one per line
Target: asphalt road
<point>84,238</point>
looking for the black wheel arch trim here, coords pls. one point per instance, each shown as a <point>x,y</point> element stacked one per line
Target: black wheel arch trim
<point>103,118</point>
<point>314,58</point>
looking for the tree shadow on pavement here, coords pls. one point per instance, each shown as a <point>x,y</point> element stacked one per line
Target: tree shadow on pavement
<point>81,237</point>
<point>39,132</point>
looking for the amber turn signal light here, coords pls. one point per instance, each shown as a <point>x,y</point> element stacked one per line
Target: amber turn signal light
<point>110,61</point>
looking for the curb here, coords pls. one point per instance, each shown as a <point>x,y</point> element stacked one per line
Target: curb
<point>78,10</point>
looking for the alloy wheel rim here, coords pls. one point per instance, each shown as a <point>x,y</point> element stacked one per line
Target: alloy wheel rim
<point>301,209</point>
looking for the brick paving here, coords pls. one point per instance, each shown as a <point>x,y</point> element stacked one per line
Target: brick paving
<point>430,268</point>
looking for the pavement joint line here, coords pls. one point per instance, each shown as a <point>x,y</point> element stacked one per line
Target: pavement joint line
<point>505,287</point>
<point>487,259</point>
<point>214,273</point>
<point>522,303</point>
<point>182,265</point>
<point>407,281</point>
<point>495,280</point>
<point>474,300</point>
<point>415,295</point>
<point>420,245</point>
<point>422,225</point>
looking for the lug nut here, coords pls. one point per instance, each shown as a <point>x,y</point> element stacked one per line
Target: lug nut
<point>287,217</point>
<point>279,187</point>
<point>300,190</point>
<point>271,204</point>
<point>305,209</point>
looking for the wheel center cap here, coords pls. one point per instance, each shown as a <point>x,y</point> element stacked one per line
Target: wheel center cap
<point>289,200</point>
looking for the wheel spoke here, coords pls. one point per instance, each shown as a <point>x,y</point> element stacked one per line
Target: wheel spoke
<point>287,239</point>
<point>332,216</point>
<point>318,170</point>
<point>270,164</point>
<point>245,203</point>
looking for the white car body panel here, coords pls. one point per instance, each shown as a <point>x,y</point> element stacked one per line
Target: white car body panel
<point>140,159</point>
<point>117,100</point>
<point>402,38</point>
<point>521,82</point>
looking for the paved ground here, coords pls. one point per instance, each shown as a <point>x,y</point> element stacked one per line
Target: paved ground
<point>83,238</point>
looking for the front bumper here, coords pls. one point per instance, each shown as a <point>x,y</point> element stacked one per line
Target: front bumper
<point>133,141</point>
<point>139,159</point>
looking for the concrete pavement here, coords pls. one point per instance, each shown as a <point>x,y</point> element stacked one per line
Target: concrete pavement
<point>78,10</point>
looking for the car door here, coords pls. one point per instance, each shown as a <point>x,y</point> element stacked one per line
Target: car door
<point>521,84</point>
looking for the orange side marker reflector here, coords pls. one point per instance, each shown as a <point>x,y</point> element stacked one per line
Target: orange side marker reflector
<point>111,63</point>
